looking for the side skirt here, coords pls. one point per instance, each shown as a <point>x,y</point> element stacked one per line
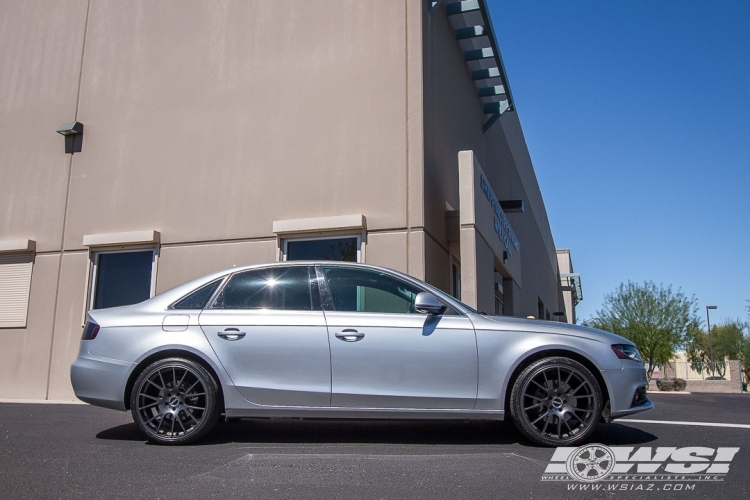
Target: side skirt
<point>364,413</point>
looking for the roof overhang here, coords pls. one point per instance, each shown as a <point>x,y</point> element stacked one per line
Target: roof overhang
<point>471,22</point>
<point>572,281</point>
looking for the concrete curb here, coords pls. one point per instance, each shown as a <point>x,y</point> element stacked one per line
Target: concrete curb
<point>669,392</point>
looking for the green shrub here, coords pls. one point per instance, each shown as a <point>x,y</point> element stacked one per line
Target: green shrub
<point>671,384</point>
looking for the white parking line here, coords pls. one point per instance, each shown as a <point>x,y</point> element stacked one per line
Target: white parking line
<point>699,424</point>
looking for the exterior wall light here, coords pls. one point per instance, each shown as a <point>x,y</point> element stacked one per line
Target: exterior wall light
<point>71,128</point>
<point>73,133</point>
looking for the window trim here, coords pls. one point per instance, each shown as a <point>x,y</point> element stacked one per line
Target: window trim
<point>94,262</point>
<point>358,236</point>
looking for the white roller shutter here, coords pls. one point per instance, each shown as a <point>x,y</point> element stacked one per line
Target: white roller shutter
<point>15,284</point>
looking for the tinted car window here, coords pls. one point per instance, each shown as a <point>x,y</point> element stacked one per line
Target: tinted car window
<point>274,288</point>
<point>199,298</point>
<point>364,290</point>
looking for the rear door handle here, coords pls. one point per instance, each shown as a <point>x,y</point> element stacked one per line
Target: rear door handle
<point>231,334</point>
<point>350,335</point>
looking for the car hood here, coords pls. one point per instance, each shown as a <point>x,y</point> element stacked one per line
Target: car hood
<point>522,325</point>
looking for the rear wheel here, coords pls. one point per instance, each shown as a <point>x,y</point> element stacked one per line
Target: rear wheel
<point>556,402</point>
<point>174,401</point>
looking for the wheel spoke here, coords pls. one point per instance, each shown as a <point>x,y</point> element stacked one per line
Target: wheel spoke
<point>182,379</point>
<point>160,424</point>
<point>570,375</point>
<point>152,418</point>
<point>179,420</point>
<point>584,383</point>
<point>191,387</point>
<point>161,388</point>
<point>162,380</point>
<point>533,406</point>
<point>538,419</point>
<point>568,426</point>
<point>150,406</point>
<point>545,389</point>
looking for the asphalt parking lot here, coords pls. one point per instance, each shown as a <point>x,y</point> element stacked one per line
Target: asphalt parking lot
<point>78,451</point>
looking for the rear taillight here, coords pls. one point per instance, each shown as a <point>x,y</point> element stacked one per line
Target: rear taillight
<point>90,330</point>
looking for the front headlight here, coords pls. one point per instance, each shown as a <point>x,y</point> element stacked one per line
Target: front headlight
<point>627,351</point>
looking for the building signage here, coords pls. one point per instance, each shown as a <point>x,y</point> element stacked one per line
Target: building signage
<point>501,224</point>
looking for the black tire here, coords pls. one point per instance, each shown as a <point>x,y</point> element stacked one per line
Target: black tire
<point>175,401</point>
<point>556,402</point>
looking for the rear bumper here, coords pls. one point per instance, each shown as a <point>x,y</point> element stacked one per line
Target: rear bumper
<point>100,381</point>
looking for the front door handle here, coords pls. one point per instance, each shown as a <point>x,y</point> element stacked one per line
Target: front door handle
<point>350,335</point>
<point>231,334</point>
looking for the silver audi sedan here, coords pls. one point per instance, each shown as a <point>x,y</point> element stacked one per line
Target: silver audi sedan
<point>345,341</point>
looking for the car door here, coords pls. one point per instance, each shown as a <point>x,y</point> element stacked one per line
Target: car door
<point>384,354</point>
<point>268,330</point>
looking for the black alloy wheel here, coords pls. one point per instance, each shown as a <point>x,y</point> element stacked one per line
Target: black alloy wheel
<point>174,401</point>
<point>556,402</point>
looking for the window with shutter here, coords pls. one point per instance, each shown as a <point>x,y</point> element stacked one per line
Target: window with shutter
<point>15,285</point>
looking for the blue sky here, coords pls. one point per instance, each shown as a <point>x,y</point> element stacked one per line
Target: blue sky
<point>637,118</point>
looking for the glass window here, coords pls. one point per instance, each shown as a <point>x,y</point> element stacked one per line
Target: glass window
<point>364,290</point>
<point>199,298</point>
<point>271,288</point>
<point>499,306</point>
<point>456,279</point>
<point>122,278</point>
<point>342,249</point>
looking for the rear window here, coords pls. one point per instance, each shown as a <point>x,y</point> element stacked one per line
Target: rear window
<point>199,298</point>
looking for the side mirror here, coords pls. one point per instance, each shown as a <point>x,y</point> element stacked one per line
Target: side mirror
<point>428,304</point>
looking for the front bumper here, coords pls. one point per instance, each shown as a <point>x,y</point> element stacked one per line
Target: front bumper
<point>627,389</point>
<point>100,381</point>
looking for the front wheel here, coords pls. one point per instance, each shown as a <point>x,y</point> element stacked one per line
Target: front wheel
<point>556,402</point>
<point>174,401</point>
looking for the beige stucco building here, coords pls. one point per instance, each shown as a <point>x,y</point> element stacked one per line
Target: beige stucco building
<point>229,133</point>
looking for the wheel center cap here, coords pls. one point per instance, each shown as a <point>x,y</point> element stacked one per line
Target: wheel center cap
<point>557,403</point>
<point>174,401</point>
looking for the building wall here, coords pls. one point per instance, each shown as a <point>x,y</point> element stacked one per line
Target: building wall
<point>453,118</point>
<point>565,265</point>
<point>40,57</point>
<point>204,122</point>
